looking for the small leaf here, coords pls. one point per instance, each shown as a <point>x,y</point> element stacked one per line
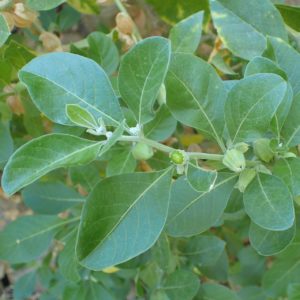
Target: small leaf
<point>27,238</point>
<point>185,36</point>
<point>6,145</point>
<point>181,285</point>
<point>50,198</point>
<point>57,79</point>
<point>142,72</point>
<point>196,95</point>
<point>44,154</point>
<point>267,242</point>
<point>269,203</point>
<point>291,15</point>
<point>257,97</point>
<point>25,286</point>
<point>4,30</point>
<point>80,116</point>
<point>217,292</point>
<point>188,212</point>
<point>200,179</point>
<point>242,29</point>
<point>117,220</point>
<point>44,4</point>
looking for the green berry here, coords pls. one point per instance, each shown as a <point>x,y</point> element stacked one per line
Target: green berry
<point>142,151</point>
<point>178,157</point>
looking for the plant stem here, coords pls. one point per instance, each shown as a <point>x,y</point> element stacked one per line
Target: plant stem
<point>136,34</point>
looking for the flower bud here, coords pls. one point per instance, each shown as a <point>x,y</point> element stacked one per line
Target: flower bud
<point>263,150</point>
<point>234,160</point>
<point>124,23</point>
<point>23,16</point>
<point>50,41</point>
<point>142,151</point>
<point>178,157</point>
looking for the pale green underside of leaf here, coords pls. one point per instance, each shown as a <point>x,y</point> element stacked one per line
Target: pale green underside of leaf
<point>4,30</point>
<point>267,242</point>
<point>57,79</point>
<point>243,25</point>
<point>196,95</point>
<point>44,4</point>
<point>191,212</point>
<point>185,36</point>
<point>80,116</point>
<point>251,105</point>
<point>27,238</point>
<point>44,154</point>
<point>117,221</point>
<point>269,203</point>
<point>142,72</point>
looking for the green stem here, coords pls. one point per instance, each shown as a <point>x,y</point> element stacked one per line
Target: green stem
<point>121,7</point>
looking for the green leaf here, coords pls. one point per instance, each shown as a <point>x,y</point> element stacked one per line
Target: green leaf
<point>142,72</point>
<point>80,116</point>
<point>269,203</point>
<point>4,30</point>
<point>57,79</point>
<point>50,198</point>
<point>282,273</point>
<point>213,291</point>
<point>44,4</point>
<point>291,15</point>
<point>252,293</point>
<point>181,285</point>
<point>185,36</point>
<point>289,171</point>
<point>121,162</point>
<point>257,98</point>
<point>203,250</point>
<point>123,222</point>
<point>243,25</point>
<point>200,179</point>
<point>6,145</point>
<point>102,50</point>
<point>294,291</point>
<point>25,286</point>
<point>291,127</point>
<point>162,126</point>
<point>44,154</point>
<point>287,58</point>
<point>27,238</point>
<point>220,64</point>
<point>188,212</point>
<point>196,95</point>
<point>68,264</point>
<point>267,242</point>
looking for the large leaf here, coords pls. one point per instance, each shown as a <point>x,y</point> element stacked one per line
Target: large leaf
<point>185,36</point>
<point>282,273</point>
<point>142,72</point>
<point>291,127</point>
<point>57,79</point>
<point>123,217</point>
<point>50,197</point>
<point>267,242</point>
<point>251,105</point>
<point>287,58</point>
<point>181,285</point>
<point>27,238</point>
<point>4,30</point>
<point>289,171</point>
<point>242,25</point>
<point>44,154</point>
<point>196,95</point>
<point>44,4</point>
<point>191,212</point>
<point>269,203</point>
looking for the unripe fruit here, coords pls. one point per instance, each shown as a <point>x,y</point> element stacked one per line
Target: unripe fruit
<point>234,160</point>
<point>142,151</point>
<point>177,157</point>
<point>263,150</point>
<point>245,178</point>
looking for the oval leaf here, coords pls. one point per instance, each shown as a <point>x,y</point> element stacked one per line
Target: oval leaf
<point>123,217</point>
<point>57,79</point>
<point>44,154</point>
<point>269,203</point>
<point>142,72</point>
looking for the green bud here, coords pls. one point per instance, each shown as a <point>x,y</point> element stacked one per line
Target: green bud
<point>242,147</point>
<point>263,150</point>
<point>142,151</point>
<point>178,157</point>
<point>234,160</point>
<point>246,176</point>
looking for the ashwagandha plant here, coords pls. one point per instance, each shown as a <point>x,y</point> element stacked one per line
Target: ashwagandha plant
<point>166,226</point>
